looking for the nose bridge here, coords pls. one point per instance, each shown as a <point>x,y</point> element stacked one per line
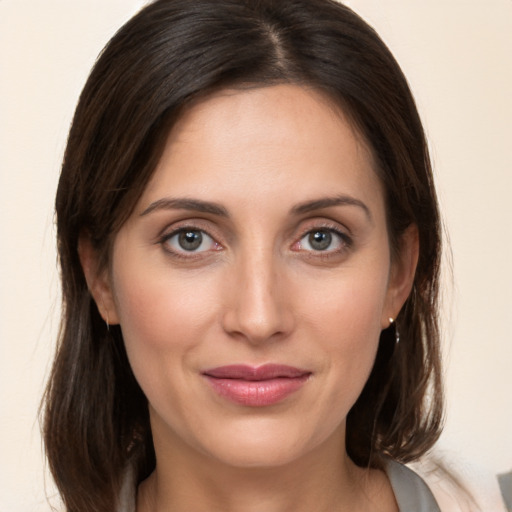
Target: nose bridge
<point>259,309</point>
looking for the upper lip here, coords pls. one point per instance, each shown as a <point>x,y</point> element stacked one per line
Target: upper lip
<point>256,373</point>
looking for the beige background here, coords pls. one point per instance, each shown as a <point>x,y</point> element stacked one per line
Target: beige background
<point>457,56</point>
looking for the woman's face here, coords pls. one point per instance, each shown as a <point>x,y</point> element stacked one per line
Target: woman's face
<point>253,279</point>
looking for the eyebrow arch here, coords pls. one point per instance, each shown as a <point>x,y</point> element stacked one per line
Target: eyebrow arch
<point>197,205</point>
<point>327,202</point>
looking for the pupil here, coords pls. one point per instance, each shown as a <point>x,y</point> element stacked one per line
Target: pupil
<point>320,240</point>
<point>190,240</point>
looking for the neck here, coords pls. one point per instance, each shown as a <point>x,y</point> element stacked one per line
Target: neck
<point>322,480</point>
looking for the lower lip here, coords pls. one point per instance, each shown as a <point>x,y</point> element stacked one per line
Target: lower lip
<point>256,393</point>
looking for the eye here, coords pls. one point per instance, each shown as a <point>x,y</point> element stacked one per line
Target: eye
<point>189,240</point>
<point>323,240</point>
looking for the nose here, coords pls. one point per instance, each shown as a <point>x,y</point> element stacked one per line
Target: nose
<point>259,306</point>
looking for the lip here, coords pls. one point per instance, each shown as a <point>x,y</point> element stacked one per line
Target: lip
<point>256,386</point>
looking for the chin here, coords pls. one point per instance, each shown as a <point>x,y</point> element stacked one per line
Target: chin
<point>266,443</point>
<point>258,456</point>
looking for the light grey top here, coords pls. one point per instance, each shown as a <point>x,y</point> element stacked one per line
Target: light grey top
<point>411,492</point>
<point>505,482</point>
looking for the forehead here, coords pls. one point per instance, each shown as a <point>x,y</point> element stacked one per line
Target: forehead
<point>286,141</point>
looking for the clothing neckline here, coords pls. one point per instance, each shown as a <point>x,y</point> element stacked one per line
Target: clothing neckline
<point>411,492</point>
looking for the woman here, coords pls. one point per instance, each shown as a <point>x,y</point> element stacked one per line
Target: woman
<point>249,240</point>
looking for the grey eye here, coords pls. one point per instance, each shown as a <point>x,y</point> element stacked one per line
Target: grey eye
<point>325,240</point>
<point>190,240</point>
<point>320,240</point>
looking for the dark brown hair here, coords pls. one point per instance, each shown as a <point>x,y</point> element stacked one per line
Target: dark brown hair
<point>172,52</point>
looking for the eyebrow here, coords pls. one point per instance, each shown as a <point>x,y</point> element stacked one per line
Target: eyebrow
<point>327,202</point>
<point>199,205</point>
<point>186,204</point>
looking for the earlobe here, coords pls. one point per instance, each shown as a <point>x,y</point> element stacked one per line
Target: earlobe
<point>97,280</point>
<point>403,270</point>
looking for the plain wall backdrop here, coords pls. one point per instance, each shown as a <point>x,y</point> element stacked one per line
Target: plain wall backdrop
<point>457,57</point>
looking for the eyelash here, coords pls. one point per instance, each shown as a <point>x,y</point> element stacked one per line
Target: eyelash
<point>183,253</point>
<point>345,241</point>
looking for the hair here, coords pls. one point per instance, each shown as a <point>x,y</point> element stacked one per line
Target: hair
<point>173,52</point>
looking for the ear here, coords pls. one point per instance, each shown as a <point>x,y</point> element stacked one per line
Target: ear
<point>98,281</point>
<point>403,269</point>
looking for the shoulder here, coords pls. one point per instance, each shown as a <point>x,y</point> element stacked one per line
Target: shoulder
<point>459,486</point>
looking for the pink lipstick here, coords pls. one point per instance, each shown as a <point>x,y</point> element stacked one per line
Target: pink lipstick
<point>256,386</point>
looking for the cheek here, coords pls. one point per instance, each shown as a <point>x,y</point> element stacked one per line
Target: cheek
<point>350,307</point>
<point>157,306</point>
<point>347,323</point>
<point>163,319</point>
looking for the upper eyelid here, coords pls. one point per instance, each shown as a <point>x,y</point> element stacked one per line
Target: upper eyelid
<point>194,225</point>
<point>167,233</point>
<point>345,237</point>
<point>174,232</point>
<point>327,224</point>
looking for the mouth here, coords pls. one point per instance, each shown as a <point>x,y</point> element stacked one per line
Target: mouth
<point>256,386</point>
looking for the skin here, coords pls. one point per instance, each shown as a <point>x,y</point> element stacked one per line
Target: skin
<point>256,291</point>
